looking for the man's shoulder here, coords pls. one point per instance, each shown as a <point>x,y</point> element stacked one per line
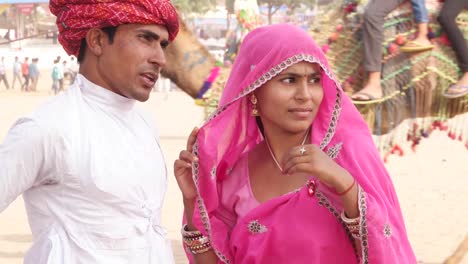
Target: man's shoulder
<point>56,112</point>
<point>149,120</point>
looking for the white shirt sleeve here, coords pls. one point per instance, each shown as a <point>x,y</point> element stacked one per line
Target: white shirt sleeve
<point>27,159</point>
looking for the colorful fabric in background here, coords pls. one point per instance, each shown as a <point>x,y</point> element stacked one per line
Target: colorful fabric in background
<point>76,17</point>
<point>208,82</point>
<point>413,84</point>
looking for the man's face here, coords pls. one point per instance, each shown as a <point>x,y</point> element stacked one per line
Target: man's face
<point>130,66</point>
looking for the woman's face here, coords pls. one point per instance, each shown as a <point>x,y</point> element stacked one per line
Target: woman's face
<point>290,101</point>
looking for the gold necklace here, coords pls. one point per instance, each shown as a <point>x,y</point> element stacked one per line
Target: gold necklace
<point>273,155</point>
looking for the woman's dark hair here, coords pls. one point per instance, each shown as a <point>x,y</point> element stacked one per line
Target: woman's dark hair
<point>260,125</point>
<point>110,31</point>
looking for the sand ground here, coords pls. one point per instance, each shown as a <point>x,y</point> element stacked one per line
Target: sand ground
<point>432,184</point>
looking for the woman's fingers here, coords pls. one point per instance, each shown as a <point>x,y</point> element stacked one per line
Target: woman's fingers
<point>183,174</point>
<point>294,161</point>
<point>309,156</point>
<point>299,167</point>
<point>180,165</point>
<point>187,156</point>
<point>183,168</point>
<point>192,139</point>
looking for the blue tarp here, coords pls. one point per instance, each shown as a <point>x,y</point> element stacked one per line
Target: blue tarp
<point>23,1</point>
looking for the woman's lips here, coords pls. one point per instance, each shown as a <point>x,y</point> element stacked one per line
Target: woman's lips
<point>300,112</point>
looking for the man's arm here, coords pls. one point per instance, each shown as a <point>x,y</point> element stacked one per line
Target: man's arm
<point>25,160</point>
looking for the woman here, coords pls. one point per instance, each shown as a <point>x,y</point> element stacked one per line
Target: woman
<point>285,171</point>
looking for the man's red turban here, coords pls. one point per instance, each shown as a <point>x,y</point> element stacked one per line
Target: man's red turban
<point>76,17</point>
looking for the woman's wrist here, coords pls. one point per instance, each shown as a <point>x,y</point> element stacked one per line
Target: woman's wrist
<point>189,208</point>
<point>338,179</point>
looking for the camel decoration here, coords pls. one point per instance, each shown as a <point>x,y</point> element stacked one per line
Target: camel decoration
<point>412,106</point>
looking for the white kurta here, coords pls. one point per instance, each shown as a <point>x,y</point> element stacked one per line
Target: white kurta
<point>93,177</point>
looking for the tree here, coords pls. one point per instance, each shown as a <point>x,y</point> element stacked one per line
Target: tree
<point>274,5</point>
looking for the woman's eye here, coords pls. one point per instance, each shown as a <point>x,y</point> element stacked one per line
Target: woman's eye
<point>288,80</point>
<point>315,79</point>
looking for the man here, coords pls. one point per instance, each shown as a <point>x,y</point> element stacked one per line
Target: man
<point>25,72</point>
<point>73,68</point>
<point>33,74</point>
<point>62,75</point>
<point>16,73</point>
<point>88,162</point>
<point>57,75</point>
<point>3,73</point>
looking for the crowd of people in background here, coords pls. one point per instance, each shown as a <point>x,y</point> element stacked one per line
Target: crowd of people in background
<point>26,73</point>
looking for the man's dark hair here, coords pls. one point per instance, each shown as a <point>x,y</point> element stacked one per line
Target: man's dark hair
<point>110,31</point>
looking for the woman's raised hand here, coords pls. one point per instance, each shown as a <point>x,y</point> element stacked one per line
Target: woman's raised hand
<point>312,160</point>
<point>183,168</point>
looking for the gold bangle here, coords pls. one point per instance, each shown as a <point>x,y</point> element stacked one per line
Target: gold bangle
<point>186,233</point>
<point>350,221</point>
<point>200,250</point>
<point>196,242</point>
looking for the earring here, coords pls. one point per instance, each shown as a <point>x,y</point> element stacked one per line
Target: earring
<point>253,100</point>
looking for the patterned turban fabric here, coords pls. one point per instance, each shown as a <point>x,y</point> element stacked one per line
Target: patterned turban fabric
<point>76,17</point>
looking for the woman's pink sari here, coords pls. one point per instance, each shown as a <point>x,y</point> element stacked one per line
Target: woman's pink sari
<point>296,227</point>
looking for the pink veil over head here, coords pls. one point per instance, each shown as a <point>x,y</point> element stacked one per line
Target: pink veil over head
<point>338,129</point>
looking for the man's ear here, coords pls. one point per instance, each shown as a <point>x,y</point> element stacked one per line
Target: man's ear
<point>95,40</point>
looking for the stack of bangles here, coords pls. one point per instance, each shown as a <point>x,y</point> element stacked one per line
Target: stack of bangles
<point>195,241</point>
<point>353,225</point>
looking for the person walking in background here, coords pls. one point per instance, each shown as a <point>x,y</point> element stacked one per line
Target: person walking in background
<point>447,16</point>
<point>74,66</point>
<point>17,73</point>
<point>25,72</point>
<point>57,75</point>
<point>33,74</point>
<point>64,74</point>
<point>3,76</point>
